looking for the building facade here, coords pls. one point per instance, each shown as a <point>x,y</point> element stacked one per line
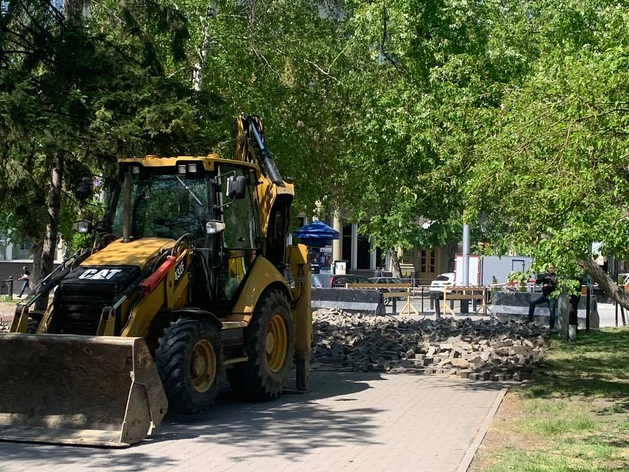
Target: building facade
<point>14,255</point>
<point>363,257</point>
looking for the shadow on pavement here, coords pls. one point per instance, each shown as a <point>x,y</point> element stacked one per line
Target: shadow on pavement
<point>471,385</point>
<point>33,456</point>
<point>292,425</point>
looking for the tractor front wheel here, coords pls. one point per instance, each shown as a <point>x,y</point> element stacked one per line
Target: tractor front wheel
<point>269,344</point>
<point>189,363</point>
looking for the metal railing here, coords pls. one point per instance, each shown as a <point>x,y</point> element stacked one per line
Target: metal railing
<point>420,294</point>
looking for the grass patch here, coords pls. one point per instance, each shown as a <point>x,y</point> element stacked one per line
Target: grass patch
<point>554,426</point>
<point>523,461</point>
<point>573,417</point>
<point>7,299</point>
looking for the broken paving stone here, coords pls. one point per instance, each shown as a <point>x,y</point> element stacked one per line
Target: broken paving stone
<point>362,342</point>
<point>464,374</point>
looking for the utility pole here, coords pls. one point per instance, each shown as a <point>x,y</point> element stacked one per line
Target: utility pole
<point>466,262</point>
<point>588,297</point>
<point>588,300</point>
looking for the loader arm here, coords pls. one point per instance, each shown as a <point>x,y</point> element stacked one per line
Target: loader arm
<point>273,194</point>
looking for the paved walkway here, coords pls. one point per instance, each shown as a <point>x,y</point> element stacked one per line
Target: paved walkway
<point>349,422</point>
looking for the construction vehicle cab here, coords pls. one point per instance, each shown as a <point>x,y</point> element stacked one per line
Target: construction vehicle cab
<point>186,280</point>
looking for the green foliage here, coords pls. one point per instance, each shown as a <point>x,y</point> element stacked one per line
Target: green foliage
<point>426,73</point>
<point>404,115</point>
<point>88,91</point>
<point>556,149</point>
<point>520,278</point>
<point>280,60</point>
<point>150,77</point>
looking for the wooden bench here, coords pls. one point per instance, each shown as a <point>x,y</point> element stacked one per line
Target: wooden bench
<point>464,293</point>
<point>407,293</point>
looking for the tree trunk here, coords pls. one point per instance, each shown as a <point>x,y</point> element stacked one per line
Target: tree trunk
<point>52,227</point>
<point>605,282</point>
<point>36,275</point>
<point>395,263</point>
<point>52,223</point>
<point>451,250</point>
<point>197,71</point>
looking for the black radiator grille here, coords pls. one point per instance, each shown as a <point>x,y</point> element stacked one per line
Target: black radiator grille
<point>79,302</point>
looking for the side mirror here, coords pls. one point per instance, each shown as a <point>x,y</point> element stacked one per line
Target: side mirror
<point>236,187</point>
<point>82,227</point>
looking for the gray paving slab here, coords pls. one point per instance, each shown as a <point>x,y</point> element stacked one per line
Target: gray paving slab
<point>348,422</point>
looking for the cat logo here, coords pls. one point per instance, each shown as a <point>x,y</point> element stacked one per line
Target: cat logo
<point>102,274</point>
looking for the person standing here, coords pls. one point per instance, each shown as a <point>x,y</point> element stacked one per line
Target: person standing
<point>575,297</point>
<point>26,277</point>
<point>549,284</point>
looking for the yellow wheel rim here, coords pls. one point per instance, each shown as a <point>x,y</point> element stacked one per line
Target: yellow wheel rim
<point>276,342</point>
<point>203,366</point>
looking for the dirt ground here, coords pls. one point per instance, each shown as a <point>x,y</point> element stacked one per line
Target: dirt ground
<point>6,312</point>
<point>502,434</point>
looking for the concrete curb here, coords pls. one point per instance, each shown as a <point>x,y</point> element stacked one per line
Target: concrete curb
<point>480,435</point>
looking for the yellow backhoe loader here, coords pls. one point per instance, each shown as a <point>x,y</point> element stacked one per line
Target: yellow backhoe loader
<point>189,277</point>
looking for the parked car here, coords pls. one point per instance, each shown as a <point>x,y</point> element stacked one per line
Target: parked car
<point>442,280</point>
<point>389,280</point>
<point>339,281</point>
<point>385,280</point>
<point>335,281</point>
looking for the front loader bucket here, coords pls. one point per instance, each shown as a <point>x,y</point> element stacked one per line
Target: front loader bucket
<point>93,391</point>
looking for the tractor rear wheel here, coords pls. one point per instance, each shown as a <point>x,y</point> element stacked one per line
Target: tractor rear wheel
<point>189,363</point>
<point>269,344</point>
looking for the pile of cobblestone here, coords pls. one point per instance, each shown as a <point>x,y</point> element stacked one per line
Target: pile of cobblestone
<point>475,349</point>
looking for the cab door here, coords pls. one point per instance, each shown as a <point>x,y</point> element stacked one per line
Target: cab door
<point>241,241</point>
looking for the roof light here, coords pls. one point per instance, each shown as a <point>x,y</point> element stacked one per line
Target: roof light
<point>135,169</point>
<point>192,168</point>
<point>181,169</point>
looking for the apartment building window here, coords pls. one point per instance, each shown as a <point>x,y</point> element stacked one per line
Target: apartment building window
<point>23,250</point>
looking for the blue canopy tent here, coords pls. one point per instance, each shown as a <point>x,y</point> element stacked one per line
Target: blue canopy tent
<point>316,234</point>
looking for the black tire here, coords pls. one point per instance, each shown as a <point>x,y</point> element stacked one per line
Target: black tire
<point>32,326</point>
<point>255,378</point>
<point>182,343</point>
